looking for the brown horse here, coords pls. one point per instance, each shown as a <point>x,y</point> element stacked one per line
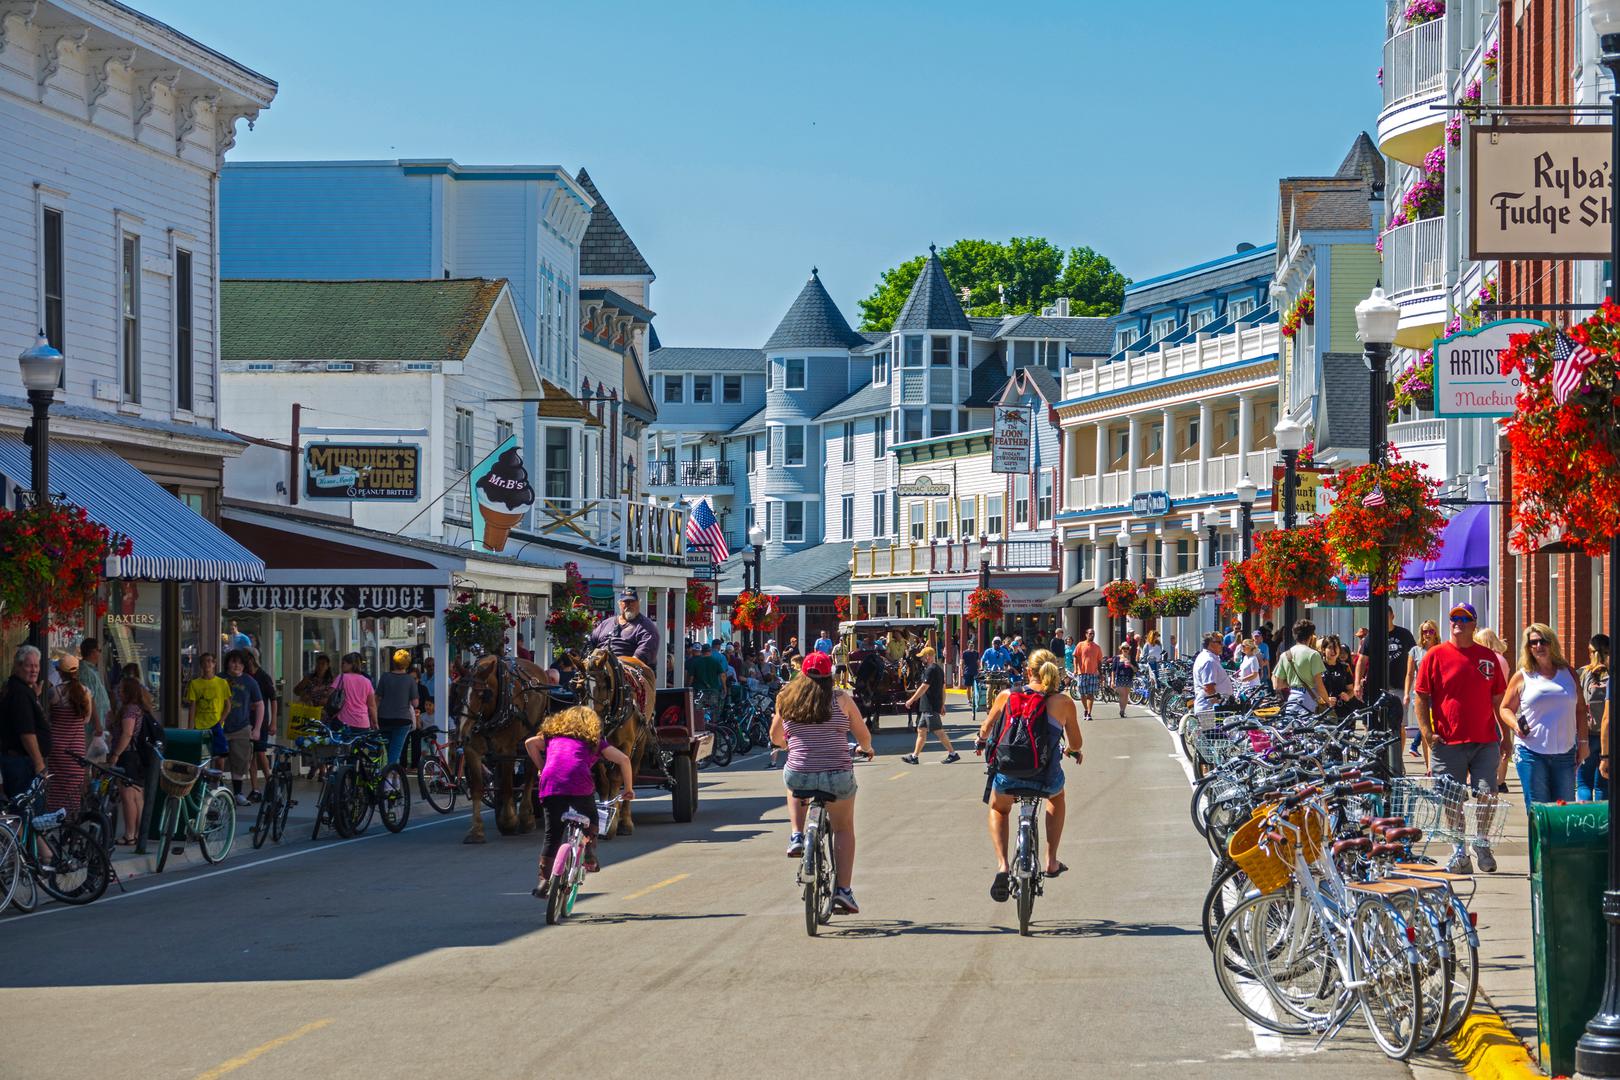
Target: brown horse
<point>621,691</point>
<point>506,701</point>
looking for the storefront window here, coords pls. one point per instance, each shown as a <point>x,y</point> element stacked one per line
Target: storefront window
<point>134,633</point>
<point>191,632</point>
<point>321,637</point>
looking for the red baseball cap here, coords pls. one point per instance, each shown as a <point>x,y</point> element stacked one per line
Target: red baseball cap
<point>819,665</point>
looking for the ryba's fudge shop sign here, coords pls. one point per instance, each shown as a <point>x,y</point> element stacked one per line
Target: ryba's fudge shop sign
<point>1540,192</point>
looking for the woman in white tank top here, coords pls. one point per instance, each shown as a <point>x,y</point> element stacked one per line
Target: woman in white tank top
<point>1544,705</point>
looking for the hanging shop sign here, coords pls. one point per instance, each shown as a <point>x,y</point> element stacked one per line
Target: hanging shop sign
<point>1011,439</point>
<point>370,472</point>
<point>1308,479</point>
<point>1540,192</point>
<point>1150,503</point>
<point>501,495</point>
<point>919,486</point>
<point>367,599</point>
<point>1468,375</point>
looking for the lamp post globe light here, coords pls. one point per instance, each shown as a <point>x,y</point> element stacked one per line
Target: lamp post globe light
<point>1597,1052</point>
<point>1246,490</point>
<point>1122,540</point>
<point>756,540</point>
<point>1290,437</point>
<point>41,367</point>
<point>1377,319</point>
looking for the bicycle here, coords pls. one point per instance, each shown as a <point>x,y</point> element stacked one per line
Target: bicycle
<point>98,807</point>
<point>366,783</point>
<point>440,778</point>
<point>818,869</point>
<point>196,806</point>
<point>50,852</point>
<point>718,720</point>
<point>568,866</point>
<point>278,802</point>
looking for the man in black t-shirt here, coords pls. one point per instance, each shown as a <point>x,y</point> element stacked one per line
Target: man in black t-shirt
<point>1401,642</point>
<point>931,692</point>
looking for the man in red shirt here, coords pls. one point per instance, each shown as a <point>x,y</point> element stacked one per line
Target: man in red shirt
<point>1087,667</point>
<point>1459,696</point>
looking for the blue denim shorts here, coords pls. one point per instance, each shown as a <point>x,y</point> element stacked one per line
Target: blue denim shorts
<point>840,782</point>
<point>1044,786</point>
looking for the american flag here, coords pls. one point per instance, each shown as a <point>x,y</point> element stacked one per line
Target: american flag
<point>1374,499</point>
<point>702,529</point>
<point>1570,362</point>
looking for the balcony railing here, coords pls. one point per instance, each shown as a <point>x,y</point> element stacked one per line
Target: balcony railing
<point>1175,361</point>
<point>1415,256</point>
<point>689,474</point>
<point>1418,432</point>
<point>636,531</point>
<point>1414,63</point>
<point>954,557</point>
<point>1221,475</point>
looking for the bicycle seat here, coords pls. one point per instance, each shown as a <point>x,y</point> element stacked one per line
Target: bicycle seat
<point>575,815</point>
<point>431,729</point>
<point>1370,822</point>
<point>1359,843</point>
<point>810,794</point>
<point>1396,836</point>
<point>1382,851</point>
<point>212,775</point>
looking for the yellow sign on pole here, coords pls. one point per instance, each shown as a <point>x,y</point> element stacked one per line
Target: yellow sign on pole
<point>1308,481</point>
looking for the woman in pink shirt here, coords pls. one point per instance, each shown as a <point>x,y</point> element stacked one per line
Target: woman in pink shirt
<point>359,708</point>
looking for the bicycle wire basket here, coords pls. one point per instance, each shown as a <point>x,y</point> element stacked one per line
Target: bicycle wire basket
<point>177,778</point>
<point>1446,810</point>
<point>1217,747</point>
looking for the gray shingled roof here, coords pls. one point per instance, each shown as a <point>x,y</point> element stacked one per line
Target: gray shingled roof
<point>676,358</point>
<point>1091,335</point>
<point>814,322</point>
<point>1363,161</point>
<point>988,379</point>
<point>606,250</point>
<point>932,304</point>
<point>869,400</point>
<point>984,327</point>
<point>751,426</point>
<point>1342,406</point>
<point>1257,262</point>
<point>821,570</point>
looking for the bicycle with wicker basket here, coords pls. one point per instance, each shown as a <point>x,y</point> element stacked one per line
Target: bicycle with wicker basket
<point>195,807</point>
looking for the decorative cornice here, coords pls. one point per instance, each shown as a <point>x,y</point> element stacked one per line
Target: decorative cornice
<point>25,11</point>
<point>102,62</point>
<point>50,61</point>
<point>185,117</point>
<point>225,129</point>
<point>146,94</point>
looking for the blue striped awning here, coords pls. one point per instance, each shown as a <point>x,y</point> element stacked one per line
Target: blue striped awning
<point>171,541</point>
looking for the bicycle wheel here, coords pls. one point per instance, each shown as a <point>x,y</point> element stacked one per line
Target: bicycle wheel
<point>557,887</point>
<point>99,827</point>
<point>724,746</point>
<point>278,824</point>
<point>826,876</point>
<point>1427,936</point>
<point>78,871</point>
<point>268,808</point>
<point>489,785</point>
<point>1227,889</point>
<point>216,824</point>
<point>433,781</point>
<point>1384,961</point>
<point>26,898</point>
<point>394,798</point>
<point>811,873</point>
<point>11,865</point>
<point>1200,804</point>
<point>168,828</point>
<point>1464,965</point>
<point>576,872</point>
<point>1242,942</point>
<point>351,808</point>
<point>325,806</point>
<point>745,737</point>
<point>1226,816</point>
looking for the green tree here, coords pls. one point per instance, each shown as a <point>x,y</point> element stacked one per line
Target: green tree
<point>993,278</point>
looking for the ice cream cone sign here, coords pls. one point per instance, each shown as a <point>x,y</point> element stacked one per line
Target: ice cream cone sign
<point>501,495</point>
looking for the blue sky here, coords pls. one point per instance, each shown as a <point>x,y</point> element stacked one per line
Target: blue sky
<point>742,143</point>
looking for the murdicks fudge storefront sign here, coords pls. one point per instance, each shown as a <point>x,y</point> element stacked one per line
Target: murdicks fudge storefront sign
<point>1540,192</point>
<point>368,599</point>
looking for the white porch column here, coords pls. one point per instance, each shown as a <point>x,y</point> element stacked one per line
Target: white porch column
<point>1132,456</point>
<point>1167,445</point>
<point>1099,564</point>
<point>1103,552</point>
<point>1206,441</point>
<point>441,665</point>
<point>804,616</point>
<point>1245,427</point>
<point>1102,458</point>
<point>541,640</point>
<point>676,599</point>
<point>1167,556</point>
<point>1071,578</point>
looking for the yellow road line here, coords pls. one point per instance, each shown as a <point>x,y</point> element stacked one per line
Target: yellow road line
<point>1488,1050</point>
<point>898,775</point>
<point>259,1051</point>
<point>667,881</point>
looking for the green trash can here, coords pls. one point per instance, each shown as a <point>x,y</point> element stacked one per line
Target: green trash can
<point>179,744</point>
<point>1569,860</point>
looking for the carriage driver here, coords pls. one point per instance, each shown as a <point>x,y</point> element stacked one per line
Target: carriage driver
<point>629,633</point>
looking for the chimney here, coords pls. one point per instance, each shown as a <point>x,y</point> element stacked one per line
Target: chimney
<point>1063,307</point>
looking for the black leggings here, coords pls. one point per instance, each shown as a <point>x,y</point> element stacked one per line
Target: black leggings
<point>554,806</point>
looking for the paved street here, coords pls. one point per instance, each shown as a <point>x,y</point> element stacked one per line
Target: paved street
<point>689,955</point>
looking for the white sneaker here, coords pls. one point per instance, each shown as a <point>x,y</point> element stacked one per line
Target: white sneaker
<point>796,845</point>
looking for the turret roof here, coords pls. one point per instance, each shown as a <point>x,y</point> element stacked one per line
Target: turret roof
<point>932,304</point>
<point>814,322</point>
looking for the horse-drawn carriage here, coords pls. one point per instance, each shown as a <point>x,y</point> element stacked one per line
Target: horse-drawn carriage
<point>884,677</point>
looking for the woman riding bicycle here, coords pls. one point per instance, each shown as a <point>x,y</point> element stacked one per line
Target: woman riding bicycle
<point>1037,701</point>
<point>814,721</point>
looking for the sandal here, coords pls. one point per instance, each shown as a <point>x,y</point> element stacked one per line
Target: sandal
<point>999,888</point>
<point>128,841</point>
<point>1058,872</point>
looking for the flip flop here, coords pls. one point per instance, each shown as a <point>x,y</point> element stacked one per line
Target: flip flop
<point>1000,889</point>
<point>1058,872</point>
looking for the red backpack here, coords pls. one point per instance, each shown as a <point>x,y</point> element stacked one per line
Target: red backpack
<point>1025,743</point>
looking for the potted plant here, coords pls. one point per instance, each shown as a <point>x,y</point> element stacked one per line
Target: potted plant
<point>1383,516</point>
<point>986,605</point>
<point>1118,595</point>
<point>699,605</point>
<point>475,626</point>
<point>56,559</point>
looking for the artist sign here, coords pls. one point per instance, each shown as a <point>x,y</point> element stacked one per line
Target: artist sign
<point>1540,192</point>
<point>1468,375</point>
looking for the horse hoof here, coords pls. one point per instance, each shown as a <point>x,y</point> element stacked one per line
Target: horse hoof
<point>473,838</point>
<point>626,829</point>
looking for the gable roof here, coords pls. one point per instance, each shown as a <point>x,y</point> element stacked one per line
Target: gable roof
<point>1034,378</point>
<point>676,358</point>
<point>606,250</point>
<point>353,320</point>
<point>932,304</point>
<point>814,322</point>
<point>1091,335</point>
<point>814,571</point>
<point>869,400</point>
<point>988,379</point>
<point>751,426</point>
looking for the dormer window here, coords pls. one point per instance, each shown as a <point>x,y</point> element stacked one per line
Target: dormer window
<point>1163,328</point>
<point>1127,338</point>
<point>1239,308</point>
<point>1200,319</point>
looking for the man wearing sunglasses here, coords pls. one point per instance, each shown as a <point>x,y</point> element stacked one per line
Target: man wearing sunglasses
<point>1459,691</point>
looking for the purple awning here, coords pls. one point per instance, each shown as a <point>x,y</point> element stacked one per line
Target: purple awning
<point>1465,551</point>
<point>1412,581</point>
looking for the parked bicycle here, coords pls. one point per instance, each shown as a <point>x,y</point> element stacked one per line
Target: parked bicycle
<point>440,772</point>
<point>278,801</point>
<point>196,806</point>
<point>50,852</point>
<point>365,784</point>
<point>99,806</point>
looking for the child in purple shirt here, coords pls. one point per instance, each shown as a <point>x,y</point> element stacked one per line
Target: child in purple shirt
<point>565,751</point>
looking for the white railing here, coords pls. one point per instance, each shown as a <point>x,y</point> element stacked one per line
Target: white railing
<point>1414,63</point>
<point>1415,257</point>
<point>1174,362</point>
<point>1222,474</point>
<point>1418,432</point>
<point>631,528</point>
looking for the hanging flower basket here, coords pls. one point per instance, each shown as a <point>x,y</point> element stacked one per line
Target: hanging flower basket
<point>1237,595</point>
<point>986,605</point>
<point>1291,562</point>
<point>475,626</point>
<point>841,608</point>
<point>1118,595</point>
<point>1419,12</point>
<point>1148,605</point>
<point>1302,312</point>
<point>1566,457</point>
<point>1401,523</point>
<point>55,560</point>
<point>569,626</point>
<point>757,611</point>
<point>699,605</point>
<point>1178,602</point>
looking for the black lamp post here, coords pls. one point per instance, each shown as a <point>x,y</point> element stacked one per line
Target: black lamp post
<point>1290,441</point>
<point>41,374</point>
<point>1122,542</point>
<point>1246,490</point>
<point>1376,322</point>
<point>1597,1052</point>
<point>985,555</point>
<point>756,540</point>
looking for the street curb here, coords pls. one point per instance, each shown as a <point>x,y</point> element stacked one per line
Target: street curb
<point>1486,1048</point>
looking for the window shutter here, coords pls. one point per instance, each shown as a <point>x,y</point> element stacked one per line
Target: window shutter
<point>777,445</point>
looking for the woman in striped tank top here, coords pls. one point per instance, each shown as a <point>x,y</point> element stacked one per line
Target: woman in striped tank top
<point>814,721</point>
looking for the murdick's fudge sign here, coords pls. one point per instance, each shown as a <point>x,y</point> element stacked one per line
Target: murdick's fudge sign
<point>1540,192</point>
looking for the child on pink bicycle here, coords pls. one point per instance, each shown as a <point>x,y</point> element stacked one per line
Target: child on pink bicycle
<point>565,751</point>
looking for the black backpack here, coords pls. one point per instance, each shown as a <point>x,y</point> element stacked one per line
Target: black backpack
<point>148,739</point>
<point>334,704</point>
<point>1025,743</point>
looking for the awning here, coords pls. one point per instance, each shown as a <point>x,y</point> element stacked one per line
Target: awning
<point>1465,551</point>
<point>171,541</point>
<point>1081,595</point>
<point>1412,582</point>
